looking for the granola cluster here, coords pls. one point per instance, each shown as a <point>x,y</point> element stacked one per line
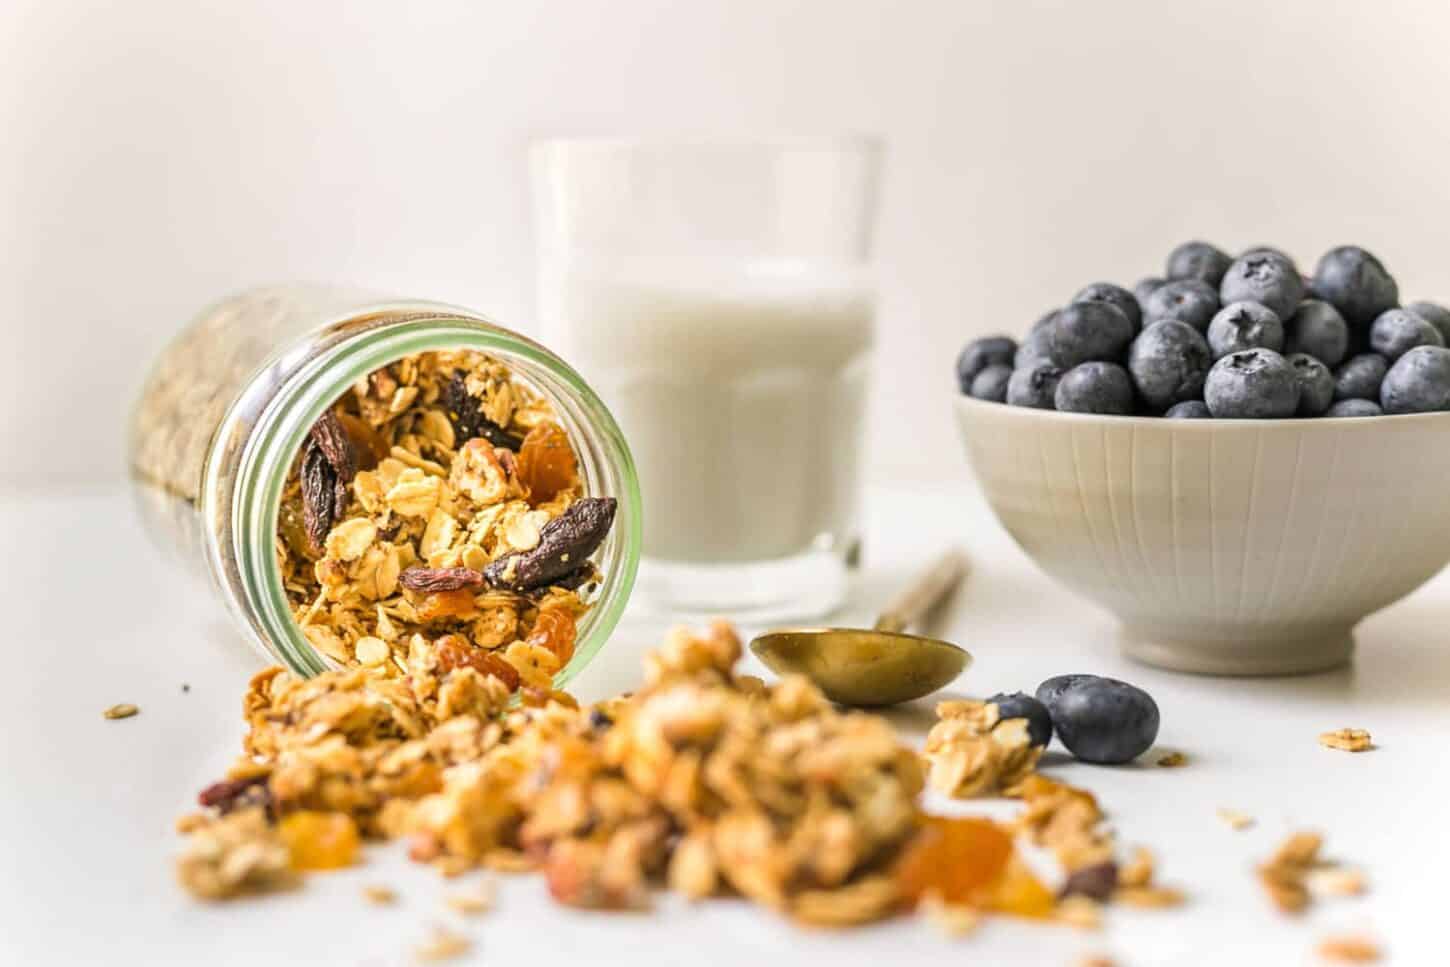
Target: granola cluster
<point>706,780</point>
<point>435,517</point>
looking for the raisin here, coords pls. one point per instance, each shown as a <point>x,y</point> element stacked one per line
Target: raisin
<point>291,525</point>
<point>368,444</point>
<point>232,794</point>
<point>446,604</point>
<point>320,840</point>
<point>547,466</point>
<point>565,543</point>
<point>318,501</point>
<point>333,441</point>
<point>466,415</point>
<point>1097,881</point>
<point>959,859</point>
<point>455,651</point>
<point>555,631</point>
<point>440,578</point>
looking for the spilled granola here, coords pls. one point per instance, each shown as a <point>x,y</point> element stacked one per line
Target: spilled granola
<point>436,516</point>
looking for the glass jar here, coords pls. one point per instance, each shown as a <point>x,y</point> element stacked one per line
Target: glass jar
<point>230,402</point>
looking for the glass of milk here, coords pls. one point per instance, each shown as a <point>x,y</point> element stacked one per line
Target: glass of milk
<point>717,295</point>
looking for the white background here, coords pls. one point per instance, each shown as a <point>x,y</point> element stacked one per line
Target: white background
<point>157,154</point>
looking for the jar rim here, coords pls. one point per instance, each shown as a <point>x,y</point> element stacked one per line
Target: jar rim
<point>257,593</point>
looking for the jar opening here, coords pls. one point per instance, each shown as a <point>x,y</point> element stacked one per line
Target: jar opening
<point>605,468</point>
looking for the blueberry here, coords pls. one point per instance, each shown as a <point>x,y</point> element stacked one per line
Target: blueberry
<point>1087,331</point>
<point>1034,351</point>
<point>1114,295</point>
<point>1418,382</point>
<point>1356,284</point>
<point>1198,260</point>
<point>1189,410</point>
<point>1435,314</point>
<point>1145,288</point>
<point>1354,408</point>
<point>1316,384</point>
<point>1395,332</point>
<point>978,354</point>
<point>1266,278</point>
<point>1256,384</point>
<point>1187,300</point>
<point>1169,361</point>
<point>1244,325</point>
<point>1317,328</point>
<point>1020,705</point>
<point>1050,690</point>
<point>991,383</point>
<point>1100,720</point>
<point>1360,377</point>
<point>1034,386</point>
<point>1266,250</point>
<point>1095,387</point>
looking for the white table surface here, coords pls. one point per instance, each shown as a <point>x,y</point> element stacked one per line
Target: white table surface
<point>95,617</point>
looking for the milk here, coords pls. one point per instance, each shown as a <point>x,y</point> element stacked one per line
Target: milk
<point>741,391</point>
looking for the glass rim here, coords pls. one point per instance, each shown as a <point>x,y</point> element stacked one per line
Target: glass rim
<point>282,427</point>
<point>847,142</point>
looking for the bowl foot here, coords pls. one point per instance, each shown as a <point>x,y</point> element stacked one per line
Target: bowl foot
<point>1297,653</point>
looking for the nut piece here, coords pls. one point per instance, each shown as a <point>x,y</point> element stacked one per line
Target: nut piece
<point>1347,740</point>
<point>122,711</point>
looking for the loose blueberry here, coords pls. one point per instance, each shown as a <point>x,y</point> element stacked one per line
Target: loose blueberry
<point>1256,384</point>
<point>1266,278</point>
<point>1115,296</point>
<point>1317,328</point>
<point>1418,382</point>
<point>1187,300</point>
<point>1360,377</point>
<point>1435,314</point>
<point>1354,408</point>
<point>1316,384</point>
<point>1035,386</point>
<point>1087,331</point>
<point>978,354</point>
<point>1145,288</point>
<point>1101,720</point>
<point>1095,387</point>
<point>1020,705</point>
<point>1050,690</point>
<point>1169,361</point>
<point>1189,410</point>
<point>1198,260</point>
<point>1356,283</point>
<point>1244,325</point>
<point>1396,331</point>
<point>991,383</point>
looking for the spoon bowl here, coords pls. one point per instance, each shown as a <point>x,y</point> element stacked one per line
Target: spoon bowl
<point>860,667</point>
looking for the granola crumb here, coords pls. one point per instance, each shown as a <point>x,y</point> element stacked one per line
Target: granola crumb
<point>442,945</point>
<point>1350,949</point>
<point>1079,911</point>
<point>478,901</point>
<point>1337,882</point>
<point>379,895</point>
<point>1173,760</point>
<point>1148,897</point>
<point>951,919</point>
<point>1284,876</point>
<point>1096,960</point>
<point>122,711</point>
<point>1236,820</point>
<point>1347,740</point>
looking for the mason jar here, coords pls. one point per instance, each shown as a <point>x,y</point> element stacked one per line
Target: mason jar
<point>231,400</point>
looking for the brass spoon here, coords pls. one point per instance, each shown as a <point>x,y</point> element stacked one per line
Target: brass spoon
<point>882,666</point>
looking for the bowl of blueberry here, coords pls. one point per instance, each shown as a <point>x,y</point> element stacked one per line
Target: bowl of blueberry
<point>1238,460</point>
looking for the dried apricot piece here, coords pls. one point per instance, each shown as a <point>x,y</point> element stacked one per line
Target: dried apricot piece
<point>959,859</point>
<point>555,631</point>
<point>547,465</point>
<point>446,604</point>
<point>319,840</point>
<point>1018,892</point>
<point>456,651</point>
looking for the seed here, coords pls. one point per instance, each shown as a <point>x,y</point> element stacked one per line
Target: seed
<point>122,711</point>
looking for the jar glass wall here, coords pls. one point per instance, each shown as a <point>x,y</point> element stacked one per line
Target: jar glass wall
<point>221,419</point>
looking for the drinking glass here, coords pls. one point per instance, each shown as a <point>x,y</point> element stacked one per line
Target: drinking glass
<point>718,296</point>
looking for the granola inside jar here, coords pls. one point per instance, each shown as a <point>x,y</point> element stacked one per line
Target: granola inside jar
<point>389,484</point>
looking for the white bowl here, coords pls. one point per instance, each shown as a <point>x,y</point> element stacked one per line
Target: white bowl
<point>1225,547</point>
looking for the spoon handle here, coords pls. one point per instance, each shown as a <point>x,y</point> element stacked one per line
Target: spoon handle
<point>926,590</point>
